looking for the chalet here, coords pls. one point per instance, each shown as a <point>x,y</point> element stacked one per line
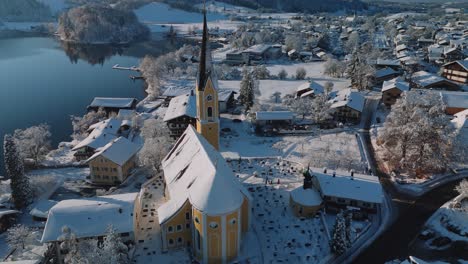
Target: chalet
<point>456,71</point>
<point>392,90</point>
<point>385,74</point>
<point>341,191</point>
<point>453,54</point>
<point>426,80</point>
<point>112,105</point>
<point>236,58</point>
<point>100,134</point>
<point>262,52</point>
<point>268,123</point>
<point>347,106</point>
<point>181,113</point>
<point>383,64</point>
<point>91,218</point>
<point>455,102</point>
<point>309,89</point>
<point>112,163</point>
<point>226,100</point>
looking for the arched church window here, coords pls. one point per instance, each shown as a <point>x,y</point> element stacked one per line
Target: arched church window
<point>233,221</point>
<point>214,225</point>
<point>210,112</point>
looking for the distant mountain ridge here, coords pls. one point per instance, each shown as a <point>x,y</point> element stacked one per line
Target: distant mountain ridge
<point>24,10</point>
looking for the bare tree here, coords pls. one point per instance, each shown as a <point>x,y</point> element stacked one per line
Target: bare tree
<point>301,73</point>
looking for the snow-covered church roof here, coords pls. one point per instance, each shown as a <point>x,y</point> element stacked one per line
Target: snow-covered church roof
<point>91,217</point>
<point>196,172</point>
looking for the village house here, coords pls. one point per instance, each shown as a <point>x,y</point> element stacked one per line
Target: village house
<point>181,113</point>
<point>426,80</point>
<point>347,106</point>
<point>454,102</point>
<point>269,122</point>
<point>112,105</point>
<point>113,163</point>
<point>453,54</point>
<point>100,134</point>
<point>456,71</point>
<point>385,74</point>
<point>309,89</point>
<point>91,218</point>
<point>349,191</point>
<point>392,90</point>
<point>226,100</point>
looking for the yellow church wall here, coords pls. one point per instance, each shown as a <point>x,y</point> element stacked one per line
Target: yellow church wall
<point>215,250</point>
<point>210,131</point>
<point>245,211</point>
<point>232,235</point>
<point>198,226</point>
<point>180,236</point>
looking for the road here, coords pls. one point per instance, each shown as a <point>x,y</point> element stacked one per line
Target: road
<point>409,213</point>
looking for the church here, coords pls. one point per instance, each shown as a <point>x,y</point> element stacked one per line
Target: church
<point>207,208</point>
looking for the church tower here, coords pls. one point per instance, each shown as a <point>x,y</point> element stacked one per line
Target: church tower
<point>207,94</point>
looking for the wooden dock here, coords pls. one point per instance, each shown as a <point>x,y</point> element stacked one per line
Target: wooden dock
<point>136,77</point>
<point>118,67</point>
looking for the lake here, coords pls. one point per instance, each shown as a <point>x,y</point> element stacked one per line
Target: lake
<point>43,80</point>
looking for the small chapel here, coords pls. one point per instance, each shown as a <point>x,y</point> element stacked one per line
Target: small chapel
<point>207,208</point>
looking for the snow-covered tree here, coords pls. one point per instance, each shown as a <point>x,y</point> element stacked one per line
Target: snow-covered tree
<point>302,107</point>
<point>328,87</point>
<point>334,68</point>
<point>339,243</point>
<point>417,135</point>
<point>249,87</point>
<point>283,74</point>
<point>320,108</point>
<point>294,42</point>
<point>113,250</point>
<point>156,146</point>
<point>261,72</point>
<point>19,183</point>
<point>462,188</point>
<point>18,237</point>
<point>361,73</point>
<point>348,224</point>
<point>301,73</point>
<point>82,124</point>
<point>276,97</point>
<point>33,142</point>
<point>353,42</point>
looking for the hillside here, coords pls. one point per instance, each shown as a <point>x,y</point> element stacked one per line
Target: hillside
<point>24,10</point>
<point>100,24</point>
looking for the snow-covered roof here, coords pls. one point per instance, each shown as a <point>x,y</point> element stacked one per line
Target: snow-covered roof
<point>306,197</point>
<point>119,151</point>
<point>455,99</point>
<point>385,72</point>
<point>258,49</point>
<point>103,132</point>
<point>396,83</point>
<point>91,217</point>
<point>311,85</point>
<point>42,208</point>
<point>4,212</point>
<point>126,113</point>
<point>223,95</point>
<point>425,79</point>
<point>462,63</point>
<point>182,105</point>
<point>360,187</point>
<point>350,98</point>
<point>388,62</point>
<point>113,102</point>
<point>274,115</point>
<point>195,171</point>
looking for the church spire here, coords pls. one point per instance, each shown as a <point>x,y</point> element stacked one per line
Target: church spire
<point>202,67</point>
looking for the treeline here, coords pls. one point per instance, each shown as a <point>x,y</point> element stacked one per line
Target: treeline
<point>24,10</point>
<point>94,23</point>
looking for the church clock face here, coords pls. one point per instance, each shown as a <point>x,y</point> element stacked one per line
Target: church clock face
<point>209,97</point>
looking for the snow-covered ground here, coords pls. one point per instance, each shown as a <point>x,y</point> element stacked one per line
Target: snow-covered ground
<point>448,219</point>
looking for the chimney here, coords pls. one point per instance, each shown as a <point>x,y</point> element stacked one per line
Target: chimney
<point>325,170</point>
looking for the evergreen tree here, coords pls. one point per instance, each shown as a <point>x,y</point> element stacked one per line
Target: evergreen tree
<point>248,87</point>
<point>20,189</point>
<point>348,222</point>
<point>339,243</point>
<point>113,248</point>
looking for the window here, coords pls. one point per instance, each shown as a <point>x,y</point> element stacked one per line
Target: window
<point>198,240</point>
<point>196,220</point>
<point>171,241</point>
<point>170,229</point>
<point>180,241</point>
<point>210,112</point>
<point>114,169</point>
<point>233,221</point>
<point>179,228</point>
<point>187,226</point>
<point>209,97</point>
<point>214,225</point>
<point>187,215</point>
